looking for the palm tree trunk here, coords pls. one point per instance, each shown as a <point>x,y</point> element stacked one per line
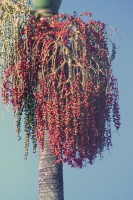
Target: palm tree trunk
<point>50,175</point>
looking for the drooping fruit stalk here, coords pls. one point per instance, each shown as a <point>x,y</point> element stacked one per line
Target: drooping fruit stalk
<point>62,80</point>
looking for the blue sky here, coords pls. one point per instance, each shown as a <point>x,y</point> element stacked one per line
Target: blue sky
<point>110,178</point>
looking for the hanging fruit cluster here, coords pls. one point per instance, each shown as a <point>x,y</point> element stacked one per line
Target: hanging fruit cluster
<point>63,82</point>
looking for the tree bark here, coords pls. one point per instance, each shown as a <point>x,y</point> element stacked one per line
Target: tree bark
<point>50,174</point>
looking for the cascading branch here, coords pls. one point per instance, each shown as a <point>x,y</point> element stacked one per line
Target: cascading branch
<point>61,79</point>
<point>14,17</point>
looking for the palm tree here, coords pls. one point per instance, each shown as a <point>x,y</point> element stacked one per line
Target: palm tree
<point>56,69</point>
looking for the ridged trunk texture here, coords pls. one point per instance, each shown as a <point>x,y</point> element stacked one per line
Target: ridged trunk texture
<point>50,175</point>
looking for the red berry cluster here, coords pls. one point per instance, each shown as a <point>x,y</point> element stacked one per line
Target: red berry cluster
<point>63,83</point>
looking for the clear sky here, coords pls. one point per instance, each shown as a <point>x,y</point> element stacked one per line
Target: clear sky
<point>108,179</point>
